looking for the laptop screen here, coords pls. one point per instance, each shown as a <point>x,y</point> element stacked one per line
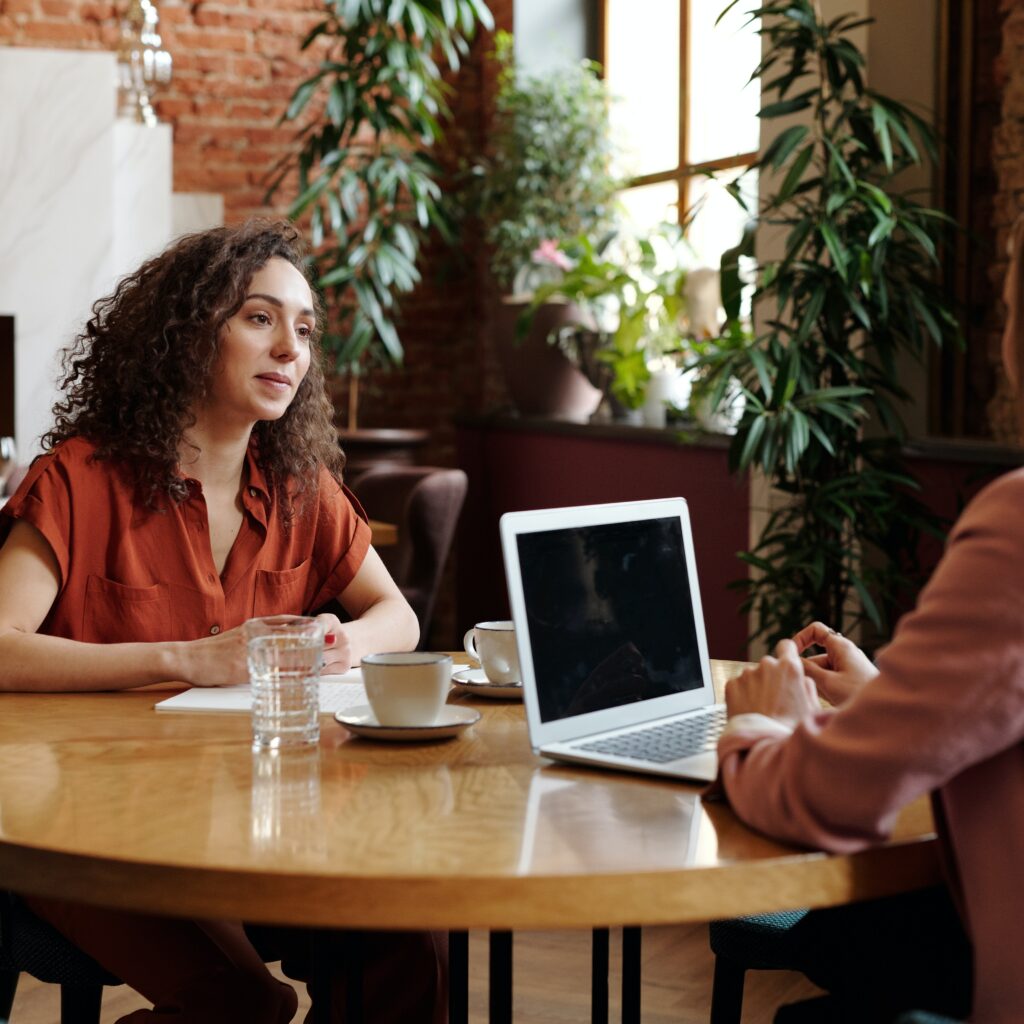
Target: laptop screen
<point>609,614</point>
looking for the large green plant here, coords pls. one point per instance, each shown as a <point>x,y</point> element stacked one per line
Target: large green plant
<point>548,175</point>
<point>369,118</point>
<point>856,284</point>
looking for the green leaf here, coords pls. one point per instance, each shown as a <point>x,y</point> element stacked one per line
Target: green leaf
<point>783,144</point>
<point>751,442</point>
<point>795,173</point>
<point>880,119</point>
<point>790,106</point>
<point>835,247</point>
<point>302,95</point>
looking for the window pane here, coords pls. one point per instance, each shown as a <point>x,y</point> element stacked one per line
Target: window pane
<point>643,76</point>
<point>718,219</point>
<point>722,107</point>
<point>650,205</point>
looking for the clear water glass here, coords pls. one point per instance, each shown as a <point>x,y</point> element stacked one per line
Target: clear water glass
<point>285,654</point>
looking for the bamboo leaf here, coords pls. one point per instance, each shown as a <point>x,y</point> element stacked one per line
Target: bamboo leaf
<point>790,106</point>
<point>795,173</point>
<point>783,144</point>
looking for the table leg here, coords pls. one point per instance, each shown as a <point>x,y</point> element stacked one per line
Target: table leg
<point>321,948</point>
<point>501,978</point>
<point>458,978</point>
<point>353,980</point>
<point>630,976</point>
<point>599,977</point>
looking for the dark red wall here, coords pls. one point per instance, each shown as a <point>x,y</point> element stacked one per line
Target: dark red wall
<point>517,467</point>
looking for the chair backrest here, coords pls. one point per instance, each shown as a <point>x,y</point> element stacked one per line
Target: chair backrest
<point>424,502</point>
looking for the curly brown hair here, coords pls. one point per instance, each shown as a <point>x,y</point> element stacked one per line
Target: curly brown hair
<point>144,362</point>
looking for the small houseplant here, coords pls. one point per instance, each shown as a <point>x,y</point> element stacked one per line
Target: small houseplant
<point>855,285</point>
<point>630,298</point>
<point>546,174</point>
<point>366,180</point>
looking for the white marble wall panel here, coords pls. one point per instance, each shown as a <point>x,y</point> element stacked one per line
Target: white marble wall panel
<point>196,211</point>
<point>56,211</point>
<point>142,193</point>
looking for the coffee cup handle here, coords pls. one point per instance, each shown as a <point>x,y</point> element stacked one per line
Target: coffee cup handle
<point>469,643</point>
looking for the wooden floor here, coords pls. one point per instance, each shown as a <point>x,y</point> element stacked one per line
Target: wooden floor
<point>551,982</point>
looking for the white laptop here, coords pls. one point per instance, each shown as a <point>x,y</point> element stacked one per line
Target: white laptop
<point>611,637</point>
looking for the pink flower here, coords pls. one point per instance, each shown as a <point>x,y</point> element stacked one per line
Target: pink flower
<point>548,252</point>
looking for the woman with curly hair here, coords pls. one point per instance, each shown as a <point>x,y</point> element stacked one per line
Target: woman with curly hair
<point>192,480</point>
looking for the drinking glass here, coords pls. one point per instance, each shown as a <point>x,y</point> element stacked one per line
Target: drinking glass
<point>285,653</point>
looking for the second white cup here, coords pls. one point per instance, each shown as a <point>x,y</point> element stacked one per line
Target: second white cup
<point>407,688</point>
<point>493,644</point>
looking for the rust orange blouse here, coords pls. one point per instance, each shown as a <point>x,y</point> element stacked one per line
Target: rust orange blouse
<point>132,573</point>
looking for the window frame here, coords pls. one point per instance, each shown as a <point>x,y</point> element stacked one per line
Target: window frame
<point>683,173</point>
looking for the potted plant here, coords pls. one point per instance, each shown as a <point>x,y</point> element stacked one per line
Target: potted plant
<point>855,285</point>
<point>548,175</point>
<point>365,177</point>
<point>629,303</point>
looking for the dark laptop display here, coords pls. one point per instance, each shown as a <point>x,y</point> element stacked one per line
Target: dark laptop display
<point>610,615</point>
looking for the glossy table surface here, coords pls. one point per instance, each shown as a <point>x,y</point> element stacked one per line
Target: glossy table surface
<point>103,799</point>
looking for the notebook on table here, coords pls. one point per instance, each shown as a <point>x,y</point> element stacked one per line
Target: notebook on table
<point>611,638</point>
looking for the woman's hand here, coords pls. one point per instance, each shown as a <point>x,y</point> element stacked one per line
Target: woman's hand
<point>777,687</point>
<point>214,660</point>
<point>337,646</point>
<point>221,660</point>
<point>842,670</point>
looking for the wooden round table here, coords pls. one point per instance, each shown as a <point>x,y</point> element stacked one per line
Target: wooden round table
<point>104,800</point>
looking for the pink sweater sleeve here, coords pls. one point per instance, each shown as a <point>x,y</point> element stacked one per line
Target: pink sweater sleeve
<point>950,693</point>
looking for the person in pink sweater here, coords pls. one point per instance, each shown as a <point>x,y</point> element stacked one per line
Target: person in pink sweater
<point>941,713</point>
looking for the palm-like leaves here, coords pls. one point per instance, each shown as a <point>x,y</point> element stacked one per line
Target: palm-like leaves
<point>856,284</point>
<point>368,119</point>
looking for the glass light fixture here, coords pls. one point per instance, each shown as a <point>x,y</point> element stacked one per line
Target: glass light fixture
<point>142,63</point>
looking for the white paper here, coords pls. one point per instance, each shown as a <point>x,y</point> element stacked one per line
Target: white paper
<point>336,694</point>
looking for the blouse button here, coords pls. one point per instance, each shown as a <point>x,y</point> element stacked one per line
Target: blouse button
<point>210,577</point>
<point>252,492</point>
<point>215,630</point>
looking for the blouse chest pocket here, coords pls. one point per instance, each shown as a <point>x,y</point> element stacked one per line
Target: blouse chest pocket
<point>116,613</point>
<point>282,592</point>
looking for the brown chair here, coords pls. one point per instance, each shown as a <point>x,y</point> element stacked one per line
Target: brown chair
<point>424,502</point>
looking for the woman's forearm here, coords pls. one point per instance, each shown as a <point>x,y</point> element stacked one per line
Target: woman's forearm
<point>40,663</point>
<point>388,625</point>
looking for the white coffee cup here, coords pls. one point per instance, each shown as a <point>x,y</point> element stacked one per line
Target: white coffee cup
<point>493,644</point>
<point>407,688</point>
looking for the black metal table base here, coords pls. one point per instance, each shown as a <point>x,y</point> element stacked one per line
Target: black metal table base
<point>323,947</point>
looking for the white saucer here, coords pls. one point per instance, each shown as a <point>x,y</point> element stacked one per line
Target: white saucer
<point>475,681</point>
<point>450,722</point>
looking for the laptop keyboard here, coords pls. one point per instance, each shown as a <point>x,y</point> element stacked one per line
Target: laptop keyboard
<point>668,741</point>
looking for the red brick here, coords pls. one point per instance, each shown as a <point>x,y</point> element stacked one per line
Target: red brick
<point>211,40</point>
<point>249,67</point>
<point>13,7</point>
<point>208,18</point>
<point>242,19</point>
<point>170,109</point>
<point>98,11</point>
<point>56,8</point>
<point>253,111</point>
<point>174,16</point>
<point>61,34</point>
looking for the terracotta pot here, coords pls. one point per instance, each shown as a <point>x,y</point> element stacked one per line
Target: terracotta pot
<point>540,379</point>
